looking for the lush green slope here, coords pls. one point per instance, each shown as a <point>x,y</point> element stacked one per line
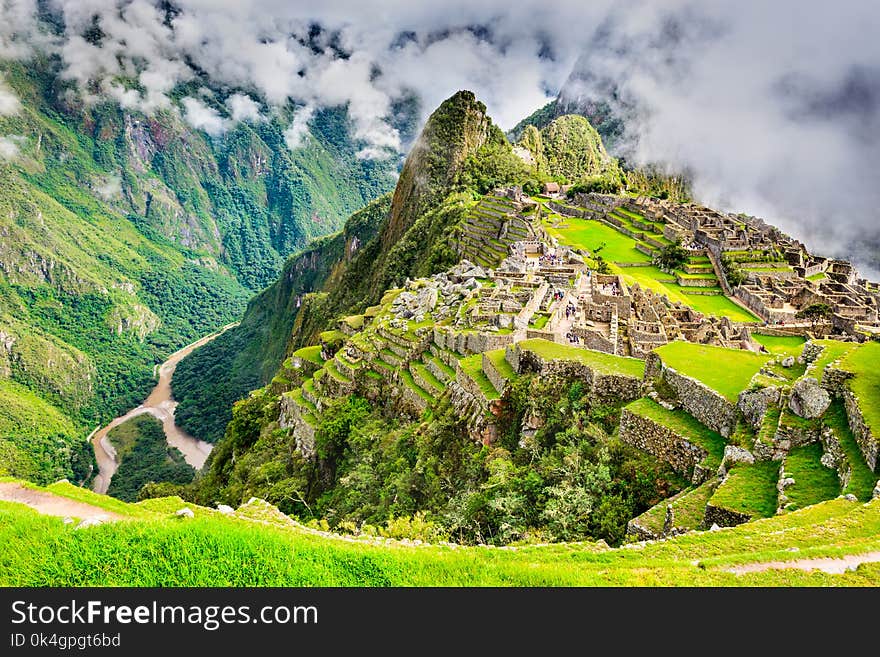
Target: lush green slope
<point>143,457</point>
<point>126,236</point>
<point>216,550</point>
<point>212,378</point>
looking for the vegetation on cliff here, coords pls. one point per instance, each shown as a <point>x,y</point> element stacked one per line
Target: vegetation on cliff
<point>126,236</point>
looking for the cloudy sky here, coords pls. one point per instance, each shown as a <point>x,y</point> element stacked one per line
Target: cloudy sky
<point>774,107</point>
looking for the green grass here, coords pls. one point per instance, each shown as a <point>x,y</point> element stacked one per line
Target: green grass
<point>500,363</point>
<point>813,481</point>
<point>330,368</point>
<point>215,550</point>
<point>450,372</point>
<point>426,375</point>
<point>786,345</point>
<point>539,320</point>
<point>685,425</point>
<point>332,337</point>
<point>864,363</point>
<point>302,401</point>
<point>862,480</point>
<point>749,489</point>
<point>598,239</point>
<point>598,361</point>
<point>473,367</point>
<point>311,354</point>
<point>406,375</point>
<point>726,371</point>
<point>689,508</point>
<point>716,305</point>
<point>832,350</point>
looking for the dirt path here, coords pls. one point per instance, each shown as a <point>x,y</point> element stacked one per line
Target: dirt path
<point>161,405</point>
<point>53,505</point>
<point>831,565</point>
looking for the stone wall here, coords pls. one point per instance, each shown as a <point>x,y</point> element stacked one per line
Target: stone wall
<point>834,380</point>
<point>602,387</point>
<point>470,342</point>
<point>864,437</point>
<point>834,457</point>
<point>302,432</point>
<point>716,515</point>
<point>664,443</point>
<point>468,384</point>
<point>703,403</point>
<point>493,374</point>
<point>409,402</point>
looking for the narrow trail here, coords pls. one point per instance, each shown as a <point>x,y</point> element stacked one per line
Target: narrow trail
<point>831,565</point>
<point>53,505</point>
<point>161,405</point>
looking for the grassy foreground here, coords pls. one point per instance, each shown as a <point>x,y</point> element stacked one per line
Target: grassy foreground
<point>156,548</point>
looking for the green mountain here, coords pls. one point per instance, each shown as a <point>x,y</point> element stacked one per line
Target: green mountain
<point>125,236</point>
<point>409,237</point>
<point>569,147</point>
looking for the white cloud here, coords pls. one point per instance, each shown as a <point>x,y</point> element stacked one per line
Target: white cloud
<point>243,108</point>
<point>9,103</point>
<point>299,127</point>
<point>202,117</point>
<point>750,96</point>
<point>10,147</point>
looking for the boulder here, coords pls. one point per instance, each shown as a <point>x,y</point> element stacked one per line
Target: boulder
<point>808,399</point>
<point>876,494</point>
<point>734,454</point>
<point>788,362</point>
<point>225,509</point>
<point>185,512</point>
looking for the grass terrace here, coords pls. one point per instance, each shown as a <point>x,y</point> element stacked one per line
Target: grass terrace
<point>311,354</point>
<point>473,367</point>
<point>864,362</point>
<point>659,281</point>
<point>726,371</point>
<point>689,507</point>
<point>832,350</point>
<point>598,361</point>
<point>598,239</point>
<point>500,363</point>
<point>406,375</point>
<point>813,481</point>
<point>749,489</point>
<point>862,480</point>
<point>684,424</point>
<point>783,345</point>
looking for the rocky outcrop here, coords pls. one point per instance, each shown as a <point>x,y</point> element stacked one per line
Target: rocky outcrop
<point>808,399</point>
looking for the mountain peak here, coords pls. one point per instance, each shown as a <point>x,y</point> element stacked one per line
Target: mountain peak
<point>455,130</point>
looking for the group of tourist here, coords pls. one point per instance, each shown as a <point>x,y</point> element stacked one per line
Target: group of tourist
<point>572,337</point>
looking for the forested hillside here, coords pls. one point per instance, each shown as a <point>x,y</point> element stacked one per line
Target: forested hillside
<point>126,236</point>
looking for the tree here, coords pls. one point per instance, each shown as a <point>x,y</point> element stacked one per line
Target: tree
<point>672,256</point>
<point>735,276</point>
<point>815,313</point>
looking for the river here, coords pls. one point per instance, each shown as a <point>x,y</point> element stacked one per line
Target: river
<point>161,405</point>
